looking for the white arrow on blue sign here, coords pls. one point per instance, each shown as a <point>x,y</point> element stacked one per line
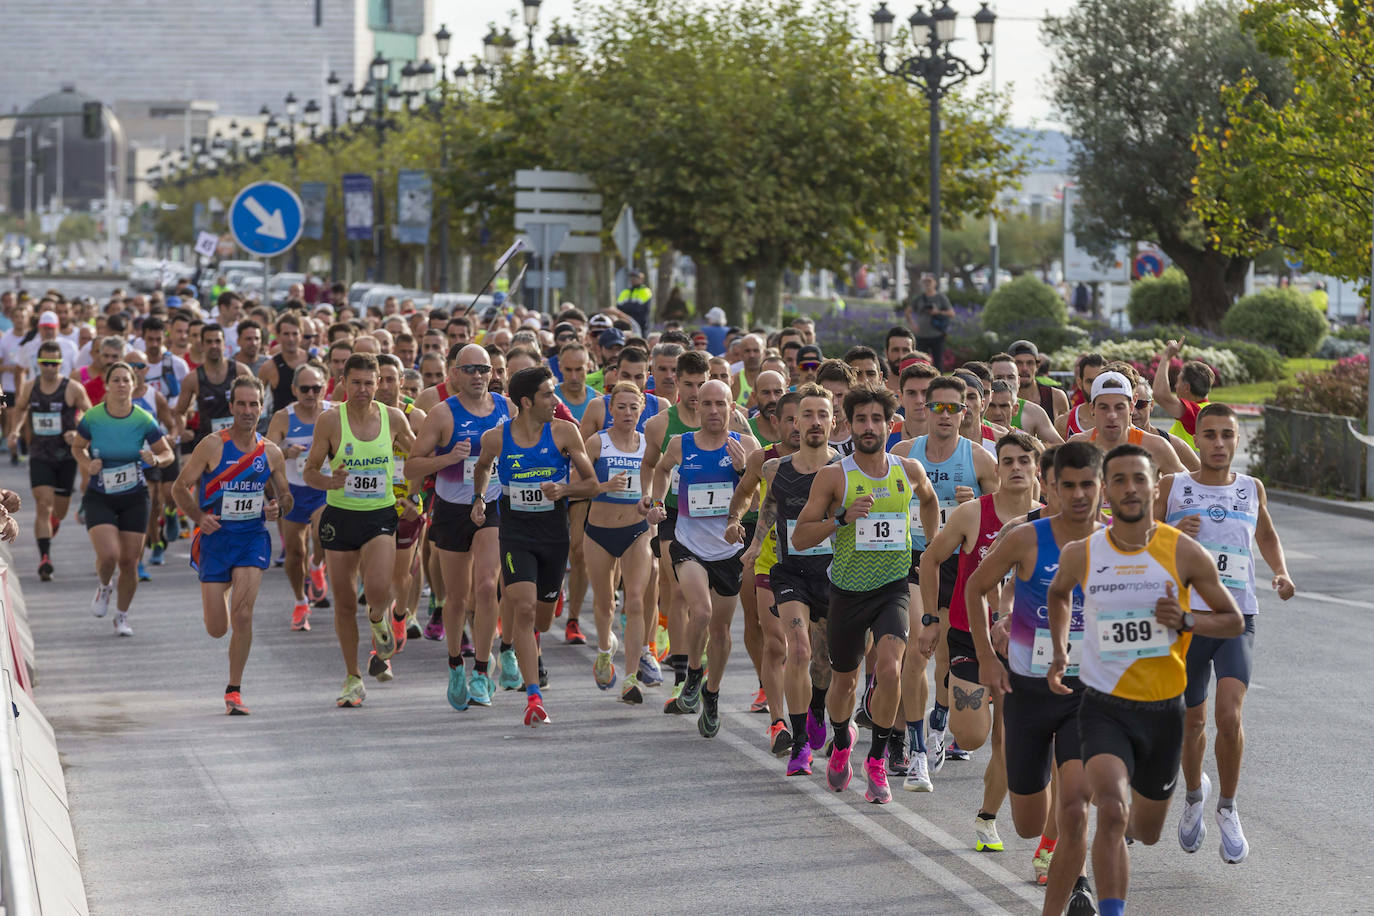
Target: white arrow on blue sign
<point>266,218</point>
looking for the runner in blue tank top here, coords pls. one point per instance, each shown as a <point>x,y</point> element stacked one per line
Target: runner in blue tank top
<point>224,489</point>
<point>291,429</point>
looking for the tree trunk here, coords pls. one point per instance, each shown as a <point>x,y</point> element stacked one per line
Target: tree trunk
<point>663,282</point>
<point>1212,279</point>
<point>720,285</point>
<point>601,283</point>
<point>768,288</point>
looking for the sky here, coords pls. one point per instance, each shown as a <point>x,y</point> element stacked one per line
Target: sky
<point>1022,69</point>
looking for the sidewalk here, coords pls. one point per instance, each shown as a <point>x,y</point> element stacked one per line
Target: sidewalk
<point>1361,509</point>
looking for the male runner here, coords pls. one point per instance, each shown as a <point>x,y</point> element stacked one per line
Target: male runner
<point>1137,625</point>
<point>1224,511</point>
<point>209,386</point>
<point>1029,416</point>
<point>864,501</point>
<point>292,428</point>
<point>1041,728</point>
<point>1187,396</point>
<point>533,453</point>
<point>1078,419</point>
<point>1111,411</point>
<point>747,379</point>
<point>358,524</point>
<point>709,463</point>
<point>1027,356</point>
<point>223,490</point>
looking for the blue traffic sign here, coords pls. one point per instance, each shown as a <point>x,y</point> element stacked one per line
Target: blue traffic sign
<point>266,218</point>
<point>1148,264</point>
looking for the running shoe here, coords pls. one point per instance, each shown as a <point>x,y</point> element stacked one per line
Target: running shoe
<point>100,604</point>
<point>1234,847</point>
<point>631,692</point>
<point>935,750</point>
<point>760,703</point>
<point>398,631</point>
<point>353,692</point>
<point>1081,901</point>
<point>800,762</point>
<point>458,688</point>
<point>558,605</point>
<point>1191,828</point>
<point>535,715</point>
<point>510,671</point>
<point>378,667</point>
<point>316,587</point>
<point>918,775</point>
<point>649,671</point>
<point>435,628</point>
<point>233,704</point>
<point>954,752</point>
<point>543,673</point>
<point>879,792</point>
<point>815,731</point>
<point>300,616</point>
<point>143,573</point>
<point>779,739</point>
<point>480,689</point>
<point>985,838</point>
<point>572,633</point>
<point>603,670</point>
<point>121,624</point>
<point>158,555</point>
<point>662,648</point>
<point>861,716</point>
<point>466,648</point>
<point>688,700</point>
<point>383,639</point>
<point>670,705</point>
<point>280,561</point>
<point>838,772</point>
<point>1040,864</point>
<point>413,630</point>
<point>708,723</point>
<point>45,569</point>
<point>56,524</point>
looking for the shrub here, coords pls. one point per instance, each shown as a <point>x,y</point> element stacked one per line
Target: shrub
<point>1144,356</point>
<point>1047,335</point>
<point>1262,363</point>
<point>1283,318</point>
<point>1342,390</point>
<point>1352,332</point>
<point>966,340</point>
<point>1025,299</point>
<point>1162,299</point>
<point>1339,348</point>
<point>968,297</point>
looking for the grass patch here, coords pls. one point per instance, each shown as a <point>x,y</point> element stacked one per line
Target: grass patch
<point>1261,392</point>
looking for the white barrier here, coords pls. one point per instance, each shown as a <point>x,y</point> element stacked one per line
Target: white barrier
<point>39,871</point>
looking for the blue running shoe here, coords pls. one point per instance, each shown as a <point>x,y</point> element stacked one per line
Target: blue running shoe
<point>458,688</point>
<point>156,558</point>
<point>480,689</point>
<point>143,573</point>
<point>510,671</point>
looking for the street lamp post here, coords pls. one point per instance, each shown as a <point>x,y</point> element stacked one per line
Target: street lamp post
<point>935,69</point>
<point>380,70</point>
<point>334,84</point>
<point>530,8</point>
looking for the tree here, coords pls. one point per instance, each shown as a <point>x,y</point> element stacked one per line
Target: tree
<point>1306,158</point>
<point>1133,97</point>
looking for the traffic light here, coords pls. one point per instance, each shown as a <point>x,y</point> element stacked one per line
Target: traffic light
<point>92,120</point>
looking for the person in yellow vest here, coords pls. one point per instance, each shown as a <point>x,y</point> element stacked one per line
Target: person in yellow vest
<point>635,300</point>
<point>1187,395</point>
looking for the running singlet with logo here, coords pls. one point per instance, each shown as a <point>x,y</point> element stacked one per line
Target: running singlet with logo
<point>675,427</point>
<point>400,486</point>
<point>50,417</point>
<point>874,551</point>
<point>768,548</point>
<point>945,476</point>
<point>613,461</point>
<point>212,403</point>
<point>1031,650</point>
<point>577,410</point>
<point>299,432</point>
<point>791,490</point>
<point>526,512</point>
<point>165,380</point>
<point>453,484</point>
<point>368,485</point>
<point>989,523</point>
<point>234,490</point>
<point>1125,651</point>
<point>116,441</point>
<point>1074,425</point>
<point>649,410</point>
<point>706,483</point>
<point>1229,517</point>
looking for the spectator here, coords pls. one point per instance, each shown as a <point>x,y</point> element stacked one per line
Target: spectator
<point>929,313</point>
<point>715,331</point>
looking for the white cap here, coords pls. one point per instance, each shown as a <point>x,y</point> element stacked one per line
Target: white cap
<point>48,320</point>
<point>600,320</point>
<point>323,307</point>
<point>532,323</point>
<point>715,316</point>
<point>1112,383</point>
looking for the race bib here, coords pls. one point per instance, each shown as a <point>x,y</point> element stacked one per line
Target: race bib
<point>881,531</point>
<point>470,468</point>
<point>672,482</point>
<point>47,424</point>
<point>398,471</point>
<point>241,507</point>
<point>300,462</point>
<point>524,498</point>
<point>709,499</point>
<point>219,424</point>
<point>1233,564</point>
<point>632,492</point>
<point>946,507</point>
<point>121,478</point>
<point>1131,633</point>
<point>823,548</point>
<point>1042,652</point>
<point>366,484</point>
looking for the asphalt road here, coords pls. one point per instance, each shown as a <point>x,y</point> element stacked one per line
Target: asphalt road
<point>407,806</point>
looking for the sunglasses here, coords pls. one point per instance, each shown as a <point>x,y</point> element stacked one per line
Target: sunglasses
<point>139,366</point>
<point>1142,404</point>
<point>562,337</point>
<point>808,365</point>
<point>311,389</point>
<point>475,369</point>
<point>50,362</point>
<point>942,407</point>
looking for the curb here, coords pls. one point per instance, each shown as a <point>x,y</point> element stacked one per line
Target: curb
<point>1361,510</point>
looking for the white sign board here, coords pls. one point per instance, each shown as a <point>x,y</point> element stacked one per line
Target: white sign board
<point>206,243</point>
<point>1079,265</point>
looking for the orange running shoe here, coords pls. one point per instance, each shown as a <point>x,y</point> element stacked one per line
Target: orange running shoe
<point>534,711</point>
<point>300,616</point>
<point>572,634</point>
<point>398,629</point>
<point>317,578</point>
<point>760,703</point>
<point>233,704</point>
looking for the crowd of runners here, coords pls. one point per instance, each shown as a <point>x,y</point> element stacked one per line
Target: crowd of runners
<point>957,561</point>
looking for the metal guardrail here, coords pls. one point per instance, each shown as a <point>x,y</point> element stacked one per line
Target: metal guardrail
<point>18,888</point>
<point>1311,451</point>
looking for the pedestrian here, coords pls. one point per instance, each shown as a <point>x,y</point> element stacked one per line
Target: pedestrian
<point>929,314</point>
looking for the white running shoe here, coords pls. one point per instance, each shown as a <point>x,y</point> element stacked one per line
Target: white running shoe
<point>985,836</point>
<point>918,775</point>
<point>1234,847</point>
<point>121,624</point>
<point>100,604</point>
<point>1191,829</point>
<point>935,750</point>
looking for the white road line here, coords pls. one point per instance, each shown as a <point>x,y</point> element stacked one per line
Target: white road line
<point>1334,599</point>
<point>922,863</point>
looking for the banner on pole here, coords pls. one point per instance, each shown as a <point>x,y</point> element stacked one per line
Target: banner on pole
<point>358,197</point>
<point>313,195</point>
<point>414,203</point>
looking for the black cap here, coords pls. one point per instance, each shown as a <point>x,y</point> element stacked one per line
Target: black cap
<point>1023,347</point>
<point>809,350</point>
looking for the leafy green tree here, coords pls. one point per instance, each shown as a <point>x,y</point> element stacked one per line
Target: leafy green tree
<point>1133,80</point>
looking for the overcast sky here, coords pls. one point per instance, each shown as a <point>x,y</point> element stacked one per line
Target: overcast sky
<point>1023,66</point>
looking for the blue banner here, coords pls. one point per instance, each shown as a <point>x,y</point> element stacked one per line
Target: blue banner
<point>414,203</point>
<point>314,194</point>
<point>358,206</point>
